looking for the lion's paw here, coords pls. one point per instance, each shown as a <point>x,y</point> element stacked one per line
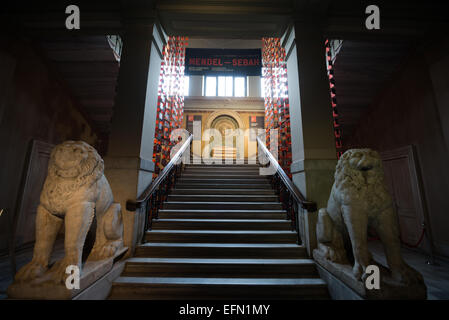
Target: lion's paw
<point>406,275</point>
<point>30,271</point>
<point>338,256</point>
<point>58,273</point>
<point>357,271</point>
<point>106,251</point>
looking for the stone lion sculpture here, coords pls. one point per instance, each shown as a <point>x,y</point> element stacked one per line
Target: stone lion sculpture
<point>359,199</point>
<point>75,190</point>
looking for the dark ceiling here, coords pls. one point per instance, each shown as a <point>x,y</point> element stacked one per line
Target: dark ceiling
<point>363,67</point>
<point>362,70</point>
<point>90,70</point>
<point>225,19</point>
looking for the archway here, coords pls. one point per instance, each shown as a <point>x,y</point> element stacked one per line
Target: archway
<point>231,114</point>
<point>222,121</point>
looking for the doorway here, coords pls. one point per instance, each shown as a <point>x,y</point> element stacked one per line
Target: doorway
<point>405,186</point>
<point>223,124</point>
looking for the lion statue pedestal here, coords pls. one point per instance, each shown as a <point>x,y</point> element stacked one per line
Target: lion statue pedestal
<point>359,199</point>
<point>75,191</point>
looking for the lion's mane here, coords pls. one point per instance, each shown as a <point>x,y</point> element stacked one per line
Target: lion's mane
<point>62,183</point>
<point>354,184</point>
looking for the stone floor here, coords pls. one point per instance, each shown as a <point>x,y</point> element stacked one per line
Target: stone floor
<point>436,276</point>
<point>22,258</point>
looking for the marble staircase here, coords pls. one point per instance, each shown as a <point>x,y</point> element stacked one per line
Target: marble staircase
<point>221,234</point>
<point>224,152</point>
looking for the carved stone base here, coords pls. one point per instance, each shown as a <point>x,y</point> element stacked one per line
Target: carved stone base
<point>43,289</point>
<point>389,288</point>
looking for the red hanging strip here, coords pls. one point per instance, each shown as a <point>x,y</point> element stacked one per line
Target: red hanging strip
<point>170,101</point>
<point>276,98</point>
<point>333,94</point>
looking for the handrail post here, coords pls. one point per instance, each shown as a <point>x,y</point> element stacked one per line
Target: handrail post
<point>290,196</point>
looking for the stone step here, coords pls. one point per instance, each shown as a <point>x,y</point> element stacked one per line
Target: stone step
<point>243,166</point>
<point>221,214</point>
<point>178,191</point>
<point>217,268</point>
<point>222,205</point>
<point>221,175</point>
<point>235,180</point>
<point>221,236</point>
<point>223,168</point>
<point>219,151</point>
<point>232,186</point>
<point>222,162</point>
<point>221,224</point>
<point>217,288</point>
<point>224,148</point>
<point>223,197</point>
<point>221,250</point>
<point>224,156</point>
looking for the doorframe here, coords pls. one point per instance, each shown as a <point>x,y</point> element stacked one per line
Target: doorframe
<point>35,147</point>
<point>410,152</point>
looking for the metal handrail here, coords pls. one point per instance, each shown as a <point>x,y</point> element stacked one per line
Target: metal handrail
<point>133,205</point>
<point>297,195</point>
